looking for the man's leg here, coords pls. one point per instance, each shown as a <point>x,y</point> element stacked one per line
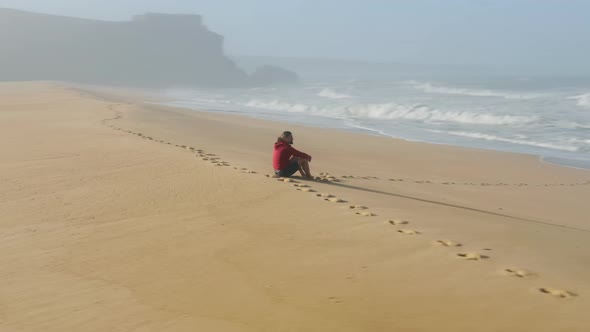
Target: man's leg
<point>304,167</point>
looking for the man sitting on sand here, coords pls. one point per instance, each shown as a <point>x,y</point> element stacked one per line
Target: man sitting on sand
<point>286,160</point>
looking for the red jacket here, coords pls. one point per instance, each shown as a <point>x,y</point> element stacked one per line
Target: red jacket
<point>283,152</point>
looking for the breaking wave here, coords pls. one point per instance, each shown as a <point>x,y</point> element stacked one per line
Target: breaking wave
<point>582,100</point>
<point>392,111</point>
<point>329,93</point>
<point>430,88</point>
<point>281,106</point>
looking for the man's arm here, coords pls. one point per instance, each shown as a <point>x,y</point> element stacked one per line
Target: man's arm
<point>299,154</point>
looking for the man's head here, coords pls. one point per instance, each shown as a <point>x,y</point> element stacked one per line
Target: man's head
<point>286,137</point>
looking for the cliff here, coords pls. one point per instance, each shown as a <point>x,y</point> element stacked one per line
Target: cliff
<point>153,50</point>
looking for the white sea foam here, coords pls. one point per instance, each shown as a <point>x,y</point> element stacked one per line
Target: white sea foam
<point>367,128</point>
<point>578,141</point>
<point>211,101</point>
<point>392,111</point>
<point>582,100</point>
<point>329,93</point>
<point>423,112</point>
<point>280,106</point>
<point>430,88</point>
<point>488,137</point>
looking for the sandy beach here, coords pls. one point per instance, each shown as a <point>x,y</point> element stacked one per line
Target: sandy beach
<point>116,215</point>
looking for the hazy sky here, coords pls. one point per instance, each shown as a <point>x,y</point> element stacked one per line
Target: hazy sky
<point>552,34</point>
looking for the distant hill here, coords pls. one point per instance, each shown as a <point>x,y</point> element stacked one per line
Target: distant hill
<point>152,50</point>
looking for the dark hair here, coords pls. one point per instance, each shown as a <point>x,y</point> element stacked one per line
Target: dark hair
<point>284,135</point>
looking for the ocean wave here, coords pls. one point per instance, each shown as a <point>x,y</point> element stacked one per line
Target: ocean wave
<point>281,106</point>
<point>371,129</point>
<point>422,112</point>
<point>582,100</point>
<point>567,124</point>
<point>578,141</point>
<point>211,101</point>
<point>430,88</point>
<point>488,137</point>
<point>393,111</point>
<point>329,93</point>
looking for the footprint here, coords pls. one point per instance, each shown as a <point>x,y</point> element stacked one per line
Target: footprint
<point>408,232</point>
<point>564,294</point>
<point>300,185</point>
<point>396,222</point>
<point>472,256</point>
<point>448,243</point>
<point>285,180</point>
<point>358,207</point>
<point>366,214</point>
<point>324,195</point>
<point>519,273</point>
<point>334,299</point>
<point>307,190</point>
<point>334,200</point>
<point>249,172</point>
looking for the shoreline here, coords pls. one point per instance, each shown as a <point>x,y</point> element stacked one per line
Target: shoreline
<point>560,161</point>
<point>155,98</point>
<point>564,163</point>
